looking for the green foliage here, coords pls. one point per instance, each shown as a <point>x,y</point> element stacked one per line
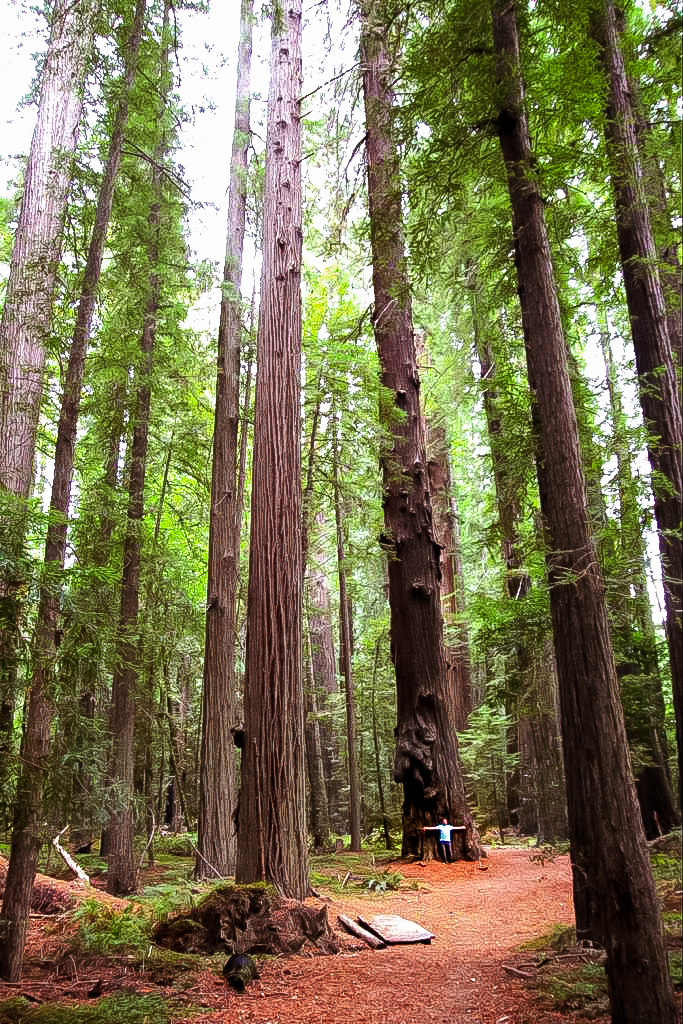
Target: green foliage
<point>576,989</point>
<point>560,938</point>
<point>486,761</point>
<point>118,1009</point>
<point>666,869</point>
<point>106,931</point>
<point>676,966</point>
<point>166,897</point>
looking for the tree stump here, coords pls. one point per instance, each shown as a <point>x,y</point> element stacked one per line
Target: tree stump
<point>247,919</point>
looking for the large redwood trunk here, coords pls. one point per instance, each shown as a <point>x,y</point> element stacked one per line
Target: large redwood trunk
<point>456,643</point>
<point>271,840</point>
<point>659,397</point>
<point>427,761</point>
<point>215,841</point>
<point>612,874</point>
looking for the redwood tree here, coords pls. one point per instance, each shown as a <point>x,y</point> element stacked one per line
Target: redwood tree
<point>659,396</point>
<point>215,843</point>
<point>271,838</point>
<point>612,875</point>
<point>427,761</point>
<point>27,313</point>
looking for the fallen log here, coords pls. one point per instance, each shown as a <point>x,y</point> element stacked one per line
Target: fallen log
<point>360,932</point>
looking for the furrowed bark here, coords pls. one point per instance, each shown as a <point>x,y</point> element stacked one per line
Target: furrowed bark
<point>271,841</point>
<point>215,841</point>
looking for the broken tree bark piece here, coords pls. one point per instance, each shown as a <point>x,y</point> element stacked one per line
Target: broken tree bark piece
<point>516,971</point>
<point>360,932</point>
<point>393,929</point>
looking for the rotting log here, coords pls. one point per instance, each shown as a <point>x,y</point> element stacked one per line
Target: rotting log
<point>247,919</point>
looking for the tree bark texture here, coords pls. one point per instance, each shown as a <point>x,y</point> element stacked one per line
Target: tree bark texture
<point>22,864</point>
<point>215,841</point>
<point>612,872</point>
<point>445,514</point>
<point>659,397</point>
<point>542,790</point>
<point>37,248</point>
<point>427,761</point>
<point>271,840</point>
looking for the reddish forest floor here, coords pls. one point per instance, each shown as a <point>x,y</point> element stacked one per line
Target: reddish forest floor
<point>470,974</point>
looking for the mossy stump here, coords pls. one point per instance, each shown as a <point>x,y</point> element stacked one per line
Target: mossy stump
<point>247,919</point>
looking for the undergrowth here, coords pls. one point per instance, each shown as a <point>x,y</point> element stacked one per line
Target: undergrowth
<point>119,1009</point>
<point>576,989</point>
<point>103,930</point>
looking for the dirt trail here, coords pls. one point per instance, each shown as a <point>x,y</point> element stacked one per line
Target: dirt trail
<point>477,916</point>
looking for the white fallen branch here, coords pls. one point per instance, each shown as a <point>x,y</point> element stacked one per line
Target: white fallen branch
<point>68,859</point>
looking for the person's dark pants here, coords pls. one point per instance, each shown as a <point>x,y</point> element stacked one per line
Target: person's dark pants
<point>445,852</point>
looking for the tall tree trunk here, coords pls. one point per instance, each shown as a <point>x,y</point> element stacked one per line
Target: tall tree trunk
<point>634,632</point>
<point>346,651</point>
<point>27,312</point>
<point>610,857</point>
<point>36,745</point>
<point>215,841</point>
<point>659,398</point>
<point>456,643</point>
<point>271,841</point>
<point>427,761</point>
<point>121,871</point>
<point>319,818</point>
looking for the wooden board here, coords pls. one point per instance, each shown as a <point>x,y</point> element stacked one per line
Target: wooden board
<point>394,929</point>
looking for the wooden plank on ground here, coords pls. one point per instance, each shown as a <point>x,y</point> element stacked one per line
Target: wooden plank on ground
<point>361,933</point>
<point>393,929</point>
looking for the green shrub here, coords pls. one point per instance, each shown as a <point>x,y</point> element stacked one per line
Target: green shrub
<point>666,869</point>
<point>103,930</point>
